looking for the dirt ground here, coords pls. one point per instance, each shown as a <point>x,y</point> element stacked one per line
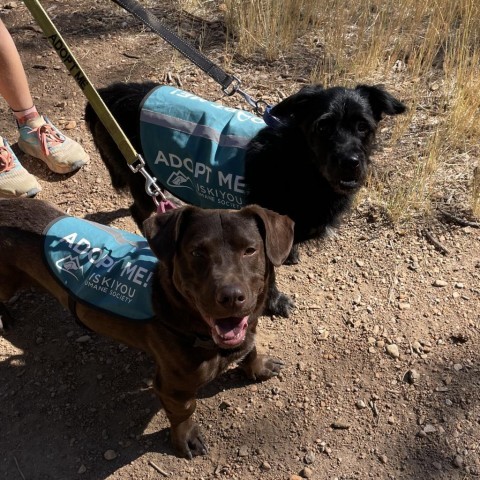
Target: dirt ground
<point>382,370</point>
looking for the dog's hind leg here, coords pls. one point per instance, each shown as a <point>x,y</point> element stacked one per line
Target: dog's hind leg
<point>6,320</point>
<point>278,303</point>
<point>294,256</point>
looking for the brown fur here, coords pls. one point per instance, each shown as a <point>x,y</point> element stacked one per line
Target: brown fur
<point>214,267</point>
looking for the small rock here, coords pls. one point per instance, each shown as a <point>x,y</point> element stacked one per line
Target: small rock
<point>82,469</point>
<point>429,428</point>
<point>359,262</point>
<point>265,466</point>
<point>383,459</point>
<point>360,404</point>
<point>404,306</point>
<point>417,346</point>
<point>306,473</point>
<point>340,425</point>
<point>458,461</point>
<point>295,477</point>
<point>440,283</point>
<point>457,367</point>
<point>411,377</point>
<point>243,451</point>
<point>393,351</point>
<point>225,405</point>
<point>110,455</point>
<point>309,458</point>
<point>70,125</point>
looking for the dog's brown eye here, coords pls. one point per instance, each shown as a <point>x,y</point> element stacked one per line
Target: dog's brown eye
<point>197,253</point>
<point>249,252</point>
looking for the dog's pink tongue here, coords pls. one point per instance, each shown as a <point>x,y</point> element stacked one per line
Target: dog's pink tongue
<point>230,328</point>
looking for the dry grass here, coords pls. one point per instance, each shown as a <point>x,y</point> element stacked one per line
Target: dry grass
<point>427,52</point>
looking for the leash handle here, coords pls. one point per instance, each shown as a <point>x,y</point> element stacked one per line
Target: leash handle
<point>68,59</point>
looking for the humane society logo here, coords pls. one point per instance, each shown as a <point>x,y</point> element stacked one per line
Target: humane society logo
<point>70,265</point>
<point>179,179</point>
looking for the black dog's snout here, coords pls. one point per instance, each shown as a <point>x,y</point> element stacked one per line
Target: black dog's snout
<point>230,296</point>
<point>352,161</point>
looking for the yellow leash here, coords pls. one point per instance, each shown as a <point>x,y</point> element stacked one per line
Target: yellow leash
<point>134,160</point>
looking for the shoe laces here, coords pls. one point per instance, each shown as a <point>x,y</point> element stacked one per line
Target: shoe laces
<point>48,137</point>
<point>6,160</point>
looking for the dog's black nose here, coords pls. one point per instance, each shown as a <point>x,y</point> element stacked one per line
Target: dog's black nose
<point>230,296</point>
<point>352,161</point>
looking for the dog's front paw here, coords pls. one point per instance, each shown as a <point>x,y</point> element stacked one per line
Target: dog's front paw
<point>187,440</point>
<point>280,305</point>
<point>263,368</point>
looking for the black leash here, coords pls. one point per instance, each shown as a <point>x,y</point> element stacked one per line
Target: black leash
<point>230,83</point>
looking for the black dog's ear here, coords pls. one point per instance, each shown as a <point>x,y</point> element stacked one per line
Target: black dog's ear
<point>297,102</point>
<point>278,233</point>
<point>381,102</point>
<point>162,229</point>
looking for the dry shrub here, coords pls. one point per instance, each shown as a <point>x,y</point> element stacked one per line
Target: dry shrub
<point>269,26</point>
<point>427,52</point>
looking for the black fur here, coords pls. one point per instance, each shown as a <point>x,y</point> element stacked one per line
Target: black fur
<point>309,167</point>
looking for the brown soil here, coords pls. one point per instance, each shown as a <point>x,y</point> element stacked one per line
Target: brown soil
<point>343,408</point>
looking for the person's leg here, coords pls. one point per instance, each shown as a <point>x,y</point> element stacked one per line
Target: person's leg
<point>15,181</point>
<point>13,80</point>
<point>38,136</point>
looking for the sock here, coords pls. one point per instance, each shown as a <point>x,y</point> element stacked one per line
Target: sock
<point>23,116</point>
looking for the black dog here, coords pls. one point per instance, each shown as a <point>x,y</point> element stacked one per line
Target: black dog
<point>308,165</point>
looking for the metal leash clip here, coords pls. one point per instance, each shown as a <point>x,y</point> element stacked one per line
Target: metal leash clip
<point>233,88</point>
<point>151,186</point>
<point>259,106</point>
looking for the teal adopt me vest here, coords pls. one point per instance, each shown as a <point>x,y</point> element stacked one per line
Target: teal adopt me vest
<point>196,148</point>
<point>101,266</point>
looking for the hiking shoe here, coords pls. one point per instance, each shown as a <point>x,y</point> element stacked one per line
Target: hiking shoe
<point>15,181</point>
<point>41,139</point>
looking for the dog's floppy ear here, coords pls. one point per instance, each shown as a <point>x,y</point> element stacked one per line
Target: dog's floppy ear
<point>297,102</point>
<point>278,233</point>
<point>162,230</point>
<point>381,102</point>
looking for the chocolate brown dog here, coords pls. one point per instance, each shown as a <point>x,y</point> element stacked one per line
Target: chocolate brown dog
<point>208,289</point>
